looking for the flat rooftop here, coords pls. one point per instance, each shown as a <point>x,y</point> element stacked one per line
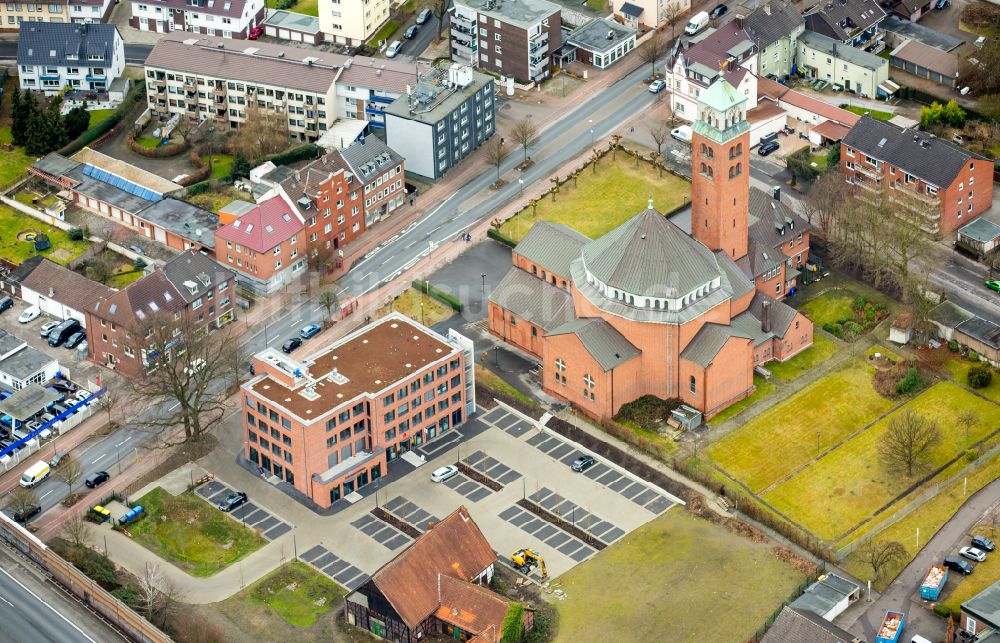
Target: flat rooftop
<point>523,13</point>
<point>24,363</point>
<point>444,100</point>
<point>295,21</point>
<point>369,360</point>
<point>183,219</point>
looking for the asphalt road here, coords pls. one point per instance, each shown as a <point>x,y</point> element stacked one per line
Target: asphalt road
<point>33,611</point>
<point>425,34</point>
<point>134,54</point>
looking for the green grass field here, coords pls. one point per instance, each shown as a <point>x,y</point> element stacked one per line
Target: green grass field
<point>489,379</point>
<point>297,593</point>
<point>149,142</point>
<point>409,304</point>
<point>124,278</point>
<point>822,349</point>
<point>307,7</point>
<point>98,115</point>
<point>385,33</point>
<point>217,198</point>
<point>960,371</point>
<point>874,113</point>
<point>830,307</point>
<point>764,389</point>
<point>848,485</point>
<point>835,406</point>
<point>13,164</point>
<point>665,577</point>
<point>195,536</point>
<point>13,222</point>
<point>222,165</point>
<point>602,201</point>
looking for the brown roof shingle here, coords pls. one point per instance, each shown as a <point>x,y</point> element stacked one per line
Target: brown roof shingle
<point>471,607</point>
<point>65,286</point>
<point>454,547</point>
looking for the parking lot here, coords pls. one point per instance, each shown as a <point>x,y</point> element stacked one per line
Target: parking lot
<point>250,514</point>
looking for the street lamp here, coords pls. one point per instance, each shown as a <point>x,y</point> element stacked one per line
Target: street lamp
<point>484,285</point>
<point>521,183</point>
<point>496,356</point>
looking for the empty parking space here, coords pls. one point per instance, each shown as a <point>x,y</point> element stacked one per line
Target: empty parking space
<point>492,468</point>
<point>507,422</point>
<point>383,533</point>
<point>572,513</point>
<point>408,512</point>
<point>468,488</point>
<point>250,514</point>
<point>547,533</point>
<point>336,568</point>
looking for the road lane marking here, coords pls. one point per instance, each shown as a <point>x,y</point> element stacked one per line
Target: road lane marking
<point>37,598</point>
<point>42,497</point>
<point>98,458</point>
<point>6,601</point>
<point>297,322</point>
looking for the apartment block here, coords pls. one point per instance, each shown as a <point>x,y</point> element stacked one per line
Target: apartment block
<point>367,86</point>
<point>84,57</point>
<point>332,422</point>
<point>380,172</point>
<point>352,22</point>
<point>509,37</point>
<point>225,18</point>
<point>448,115</point>
<point>853,69</point>
<point>14,14</point>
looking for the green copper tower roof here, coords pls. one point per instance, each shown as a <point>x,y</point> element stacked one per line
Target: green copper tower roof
<point>723,99</point>
<point>721,96</point>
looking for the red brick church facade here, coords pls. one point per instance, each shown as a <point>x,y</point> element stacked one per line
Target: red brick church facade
<point>650,309</point>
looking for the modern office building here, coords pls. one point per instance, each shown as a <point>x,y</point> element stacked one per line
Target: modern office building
<point>329,423</point>
<point>84,57</point>
<point>508,37</point>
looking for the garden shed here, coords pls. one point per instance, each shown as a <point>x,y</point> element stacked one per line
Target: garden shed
<point>979,237</point>
<point>901,331</point>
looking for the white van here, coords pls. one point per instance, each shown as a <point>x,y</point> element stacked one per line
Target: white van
<point>682,133</point>
<point>35,474</point>
<point>697,23</point>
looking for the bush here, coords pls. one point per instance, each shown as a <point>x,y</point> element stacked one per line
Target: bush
<point>972,356</point>
<point>199,188</point>
<point>75,234</point>
<point>441,296</point>
<point>852,330</point>
<point>859,303</point>
<point>953,346</point>
<point>512,629</point>
<point>980,375</point>
<point>942,610</point>
<point>909,382</point>
<point>139,264</point>
<point>971,455</point>
<point>837,329</point>
<point>496,235</point>
<point>647,411</point>
<point>306,152</point>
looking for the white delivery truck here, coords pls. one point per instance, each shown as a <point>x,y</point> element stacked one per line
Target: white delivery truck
<point>35,474</point>
<point>697,23</point>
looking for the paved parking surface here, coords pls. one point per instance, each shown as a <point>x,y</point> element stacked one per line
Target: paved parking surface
<point>492,468</point>
<point>576,515</point>
<point>408,512</point>
<point>383,533</point>
<point>469,488</point>
<point>269,526</point>
<point>547,533</point>
<point>336,568</point>
<point>507,422</point>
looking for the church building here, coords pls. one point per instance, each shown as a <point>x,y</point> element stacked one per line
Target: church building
<point>648,309</point>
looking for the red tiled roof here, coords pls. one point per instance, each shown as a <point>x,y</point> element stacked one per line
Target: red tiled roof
<point>269,224</point>
<point>453,547</point>
<point>769,88</point>
<point>831,130</point>
<point>470,607</point>
<point>820,108</point>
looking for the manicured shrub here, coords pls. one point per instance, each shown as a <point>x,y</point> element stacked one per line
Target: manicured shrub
<point>909,382</point>
<point>138,264</point>
<point>953,346</point>
<point>980,375</point>
<point>971,455</point>
<point>836,329</point>
<point>75,234</point>
<point>647,411</point>
<point>440,295</point>
<point>496,235</point>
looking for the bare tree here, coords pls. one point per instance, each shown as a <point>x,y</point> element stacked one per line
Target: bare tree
<point>967,419</point>
<point>828,193</point>
<point>880,555</point>
<point>109,402</point>
<point>652,50</point>
<point>907,442</point>
<point>329,300</point>
<point>496,153</point>
<point>264,132</point>
<point>440,9</point>
<point>669,14</point>
<point>75,531</point>
<point>184,366</point>
<point>525,133</point>
<point>156,596</point>
<point>69,471</point>
<point>660,134</point>
<point>22,500</point>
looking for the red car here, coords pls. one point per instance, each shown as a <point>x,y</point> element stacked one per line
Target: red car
<point>255,33</point>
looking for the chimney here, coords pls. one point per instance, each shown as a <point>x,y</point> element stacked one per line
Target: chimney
<point>767,7</point>
<point>765,317</point>
<point>52,293</point>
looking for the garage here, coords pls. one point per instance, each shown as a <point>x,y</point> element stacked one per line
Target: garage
<point>295,27</point>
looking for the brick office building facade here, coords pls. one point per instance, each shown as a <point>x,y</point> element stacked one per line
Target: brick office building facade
<point>331,423</point>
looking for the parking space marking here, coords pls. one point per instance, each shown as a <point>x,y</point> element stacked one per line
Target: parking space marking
<point>560,451</point>
<point>491,468</point>
<point>313,553</point>
<point>381,532</point>
<point>334,567</point>
<point>269,525</point>
<point>537,439</point>
<point>578,516</point>
<point>278,530</point>
<point>467,487</point>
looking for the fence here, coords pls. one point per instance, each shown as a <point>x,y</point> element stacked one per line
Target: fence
<point>794,595</point>
<point>65,421</point>
<point>88,591</point>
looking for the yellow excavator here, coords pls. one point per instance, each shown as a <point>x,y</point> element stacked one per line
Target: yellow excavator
<point>525,559</point>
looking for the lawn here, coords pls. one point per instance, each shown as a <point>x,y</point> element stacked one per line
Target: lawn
<point>820,160</point>
<point>874,113</point>
<point>123,278</point>
<point>489,379</point>
<point>217,198</point>
<point>307,7</point>
<point>618,191</point>
<point>149,142</point>
<point>98,115</point>
<point>409,304</point>
<point>13,222</point>
<point>960,371</point>
<point>849,484</point>
<point>14,163</point>
<point>222,165</point>
<point>835,406</point>
<point>665,577</point>
<point>384,33</point>
<point>297,593</point>
<point>962,588</point>
<point>822,349</point>
<point>764,389</point>
<point>195,536</point>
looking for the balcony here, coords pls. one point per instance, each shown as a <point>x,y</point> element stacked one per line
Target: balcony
<point>921,197</point>
<point>465,23</point>
<point>539,49</point>
<point>870,172</point>
<point>458,30</point>
<point>219,90</point>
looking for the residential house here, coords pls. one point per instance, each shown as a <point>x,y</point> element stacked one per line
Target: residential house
<point>52,57</point>
<point>328,423</point>
<point>446,118</point>
<point>980,615</point>
<point>853,22</point>
<point>438,586</point>
<point>941,184</point>
<point>352,23</point>
<point>130,196</point>
<point>21,364</point>
<point>698,62</point>
<point>509,37</point>
<point>58,291</point>
<point>912,10</point>
<point>774,28</point>
<point>379,170</point>
<point>599,43</point>
<point>265,246</point>
<point>14,14</point>
<point>802,626</point>
<point>224,18</point>
<point>649,14</point>
<point>648,309</point>
<point>928,62</point>
<point>191,285</point>
<point>855,70</point>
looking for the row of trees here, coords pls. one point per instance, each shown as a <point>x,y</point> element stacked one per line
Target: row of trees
<point>40,128</point>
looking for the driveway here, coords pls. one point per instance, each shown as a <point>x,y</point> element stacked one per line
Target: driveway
<point>903,594</point>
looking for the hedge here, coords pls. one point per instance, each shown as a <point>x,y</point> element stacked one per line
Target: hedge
<point>496,235</point>
<point>201,173</point>
<point>103,127</point>
<point>158,152</point>
<point>305,152</point>
<point>199,188</point>
<point>441,296</point>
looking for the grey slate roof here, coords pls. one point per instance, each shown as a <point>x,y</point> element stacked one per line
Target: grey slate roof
<point>938,163</point>
<point>605,344</point>
<point>740,283</point>
<point>193,266</point>
<point>986,605</point>
<point>709,341</point>
<point>768,218</point>
<point>553,246</point>
<point>822,596</point>
<point>921,33</point>
<point>50,43</point>
<point>802,626</point>
<point>782,314</point>
<point>771,22</point>
<point>981,229</point>
<point>60,284</point>
<point>55,164</point>
<point>844,19</point>
<point>948,314</point>
<point>650,256</point>
<point>363,157</point>
<point>747,324</point>
<point>631,10</point>
<point>982,329</point>
<point>533,300</point>
<point>837,49</point>
<point>23,269</point>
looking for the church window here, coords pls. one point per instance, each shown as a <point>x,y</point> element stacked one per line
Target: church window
<point>693,384</point>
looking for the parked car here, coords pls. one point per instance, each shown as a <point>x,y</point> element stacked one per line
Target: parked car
<point>310,330</point>
<point>74,340</point>
<point>82,395</point>
<point>942,4</point>
<point>972,553</point>
<point>57,459</point>
<point>442,474</point>
<point>27,513</point>
<point>61,333</point>
<point>233,501</point>
<point>30,314</point>
<point>393,49</point>
<point>993,284</point>
<point>291,345</point>
<point>657,86</point>
<point>983,543</point>
<point>43,332</point>
<point>767,148</point>
<point>255,33</point>
<point>720,9</point>
<point>5,303</point>
<point>423,16</point>
<point>583,463</point>
<point>95,480</point>
<point>411,32</point>
<point>682,133</point>
<point>64,386</point>
<point>956,564</point>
